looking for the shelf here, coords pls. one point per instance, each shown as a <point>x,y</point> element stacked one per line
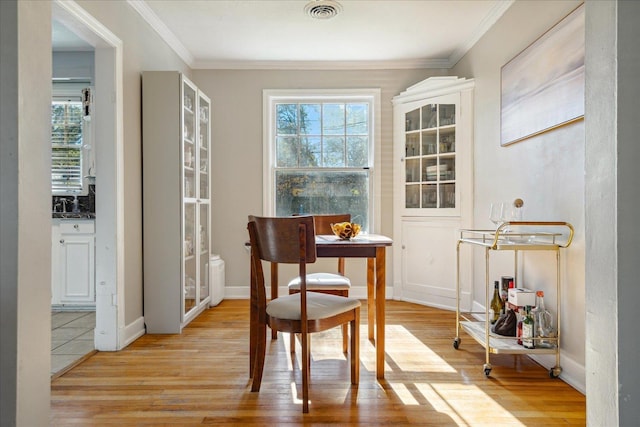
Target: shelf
<point>499,344</point>
<point>521,235</point>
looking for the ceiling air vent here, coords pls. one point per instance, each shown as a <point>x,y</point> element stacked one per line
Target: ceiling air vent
<point>322,9</point>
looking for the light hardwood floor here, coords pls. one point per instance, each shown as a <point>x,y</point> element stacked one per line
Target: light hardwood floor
<point>201,378</point>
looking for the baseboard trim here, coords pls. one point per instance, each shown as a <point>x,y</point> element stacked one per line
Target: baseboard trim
<point>132,331</point>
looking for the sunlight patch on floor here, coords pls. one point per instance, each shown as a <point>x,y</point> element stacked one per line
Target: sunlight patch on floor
<point>466,403</point>
<point>411,354</point>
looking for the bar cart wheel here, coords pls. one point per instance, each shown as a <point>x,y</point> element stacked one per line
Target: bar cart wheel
<point>555,372</point>
<point>456,343</point>
<point>487,369</point>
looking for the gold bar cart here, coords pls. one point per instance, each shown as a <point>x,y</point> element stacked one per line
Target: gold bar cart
<point>512,236</point>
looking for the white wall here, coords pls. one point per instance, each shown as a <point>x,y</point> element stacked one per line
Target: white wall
<point>237,153</point>
<point>546,171</point>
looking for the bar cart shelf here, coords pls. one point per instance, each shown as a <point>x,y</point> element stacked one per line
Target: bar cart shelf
<point>512,236</point>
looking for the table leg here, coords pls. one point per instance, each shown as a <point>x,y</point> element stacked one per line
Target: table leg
<point>380,307</point>
<point>371,307</point>
<point>274,291</point>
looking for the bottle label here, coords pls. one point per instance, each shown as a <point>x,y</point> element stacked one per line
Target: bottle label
<point>527,332</point>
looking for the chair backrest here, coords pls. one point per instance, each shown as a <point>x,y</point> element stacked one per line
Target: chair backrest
<point>277,239</point>
<point>323,222</point>
<point>283,240</point>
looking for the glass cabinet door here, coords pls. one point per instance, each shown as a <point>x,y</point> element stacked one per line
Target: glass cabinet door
<point>189,257</point>
<point>204,242</point>
<point>203,144</point>
<point>189,154</point>
<point>430,157</point>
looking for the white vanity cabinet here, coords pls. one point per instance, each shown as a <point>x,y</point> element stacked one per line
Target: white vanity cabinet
<point>176,141</point>
<point>73,262</point>
<point>433,187</point>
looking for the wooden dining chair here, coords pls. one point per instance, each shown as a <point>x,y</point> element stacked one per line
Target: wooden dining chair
<point>328,283</point>
<point>291,240</point>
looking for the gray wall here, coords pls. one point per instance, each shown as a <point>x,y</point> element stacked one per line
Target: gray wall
<point>143,49</point>
<point>546,171</point>
<point>25,227</point>
<point>237,152</point>
<point>612,104</point>
<point>628,207</point>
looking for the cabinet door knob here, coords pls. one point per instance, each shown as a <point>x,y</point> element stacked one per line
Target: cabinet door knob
<point>61,241</point>
<point>76,226</point>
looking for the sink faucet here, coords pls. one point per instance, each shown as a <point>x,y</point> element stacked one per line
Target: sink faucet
<point>64,204</point>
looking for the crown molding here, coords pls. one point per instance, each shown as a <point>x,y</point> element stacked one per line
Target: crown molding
<point>163,31</point>
<point>140,6</point>
<point>322,65</point>
<point>498,9</point>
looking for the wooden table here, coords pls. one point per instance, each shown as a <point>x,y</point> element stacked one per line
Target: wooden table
<point>370,246</point>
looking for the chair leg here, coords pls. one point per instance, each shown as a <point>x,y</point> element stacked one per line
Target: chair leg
<point>305,372</point>
<point>260,351</point>
<point>292,344</point>
<point>355,348</point>
<point>345,337</point>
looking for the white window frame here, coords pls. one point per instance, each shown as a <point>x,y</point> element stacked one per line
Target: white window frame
<point>271,97</point>
<point>73,92</point>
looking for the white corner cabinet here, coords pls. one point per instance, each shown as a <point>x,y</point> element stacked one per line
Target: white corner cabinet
<point>176,200</point>
<point>433,186</point>
<point>73,262</point>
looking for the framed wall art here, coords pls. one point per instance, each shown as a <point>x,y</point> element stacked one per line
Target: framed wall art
<point>542,88</point>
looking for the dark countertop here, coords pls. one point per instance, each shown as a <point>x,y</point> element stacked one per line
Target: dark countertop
<point>73,215</point>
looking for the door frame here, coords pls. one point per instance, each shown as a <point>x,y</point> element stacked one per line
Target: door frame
<point>108,80</point>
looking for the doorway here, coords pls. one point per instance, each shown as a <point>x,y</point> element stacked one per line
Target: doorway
<point>109,211</point>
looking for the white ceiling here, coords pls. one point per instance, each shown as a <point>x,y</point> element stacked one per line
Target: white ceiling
<point>279,34</point>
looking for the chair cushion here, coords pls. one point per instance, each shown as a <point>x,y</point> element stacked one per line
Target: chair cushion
<point>320,281</point>
<point>319,306</point>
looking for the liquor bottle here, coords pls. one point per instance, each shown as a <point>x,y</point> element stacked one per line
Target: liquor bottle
<point>528,329</point>
<point>519,326</point>
<point>543,322</point>
<point>496,304</point>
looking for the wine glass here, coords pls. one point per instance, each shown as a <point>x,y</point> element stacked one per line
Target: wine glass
<point>507,214</point>
<point>495,213</point>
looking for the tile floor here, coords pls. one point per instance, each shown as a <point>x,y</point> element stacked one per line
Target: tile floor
<point>71,338</point>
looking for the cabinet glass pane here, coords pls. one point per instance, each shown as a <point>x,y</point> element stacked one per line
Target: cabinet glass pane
<point>412,120</point>
<point>204,251</point>
<point>204,182</point>
<point>448,196</point>
<point>189,183</point>
<point>429,196</point>
<point>412,196</point>
<point>429,142</point>
<point>189,257</point>
<point>447,169</point>
<point>430,170</point>
<point>448,140</point>
<point>447,114</point>
<point>429,116</point>
<point>412,145</point>
<point>413,170</point>
<point>188,114</point>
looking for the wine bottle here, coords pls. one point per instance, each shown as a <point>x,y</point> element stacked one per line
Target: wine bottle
<point>519,327</point>
<point>528,329</point>
<point>496,303</point>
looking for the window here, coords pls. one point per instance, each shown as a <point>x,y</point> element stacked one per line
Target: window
<point>320,154</point>
<point>66,146</point>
